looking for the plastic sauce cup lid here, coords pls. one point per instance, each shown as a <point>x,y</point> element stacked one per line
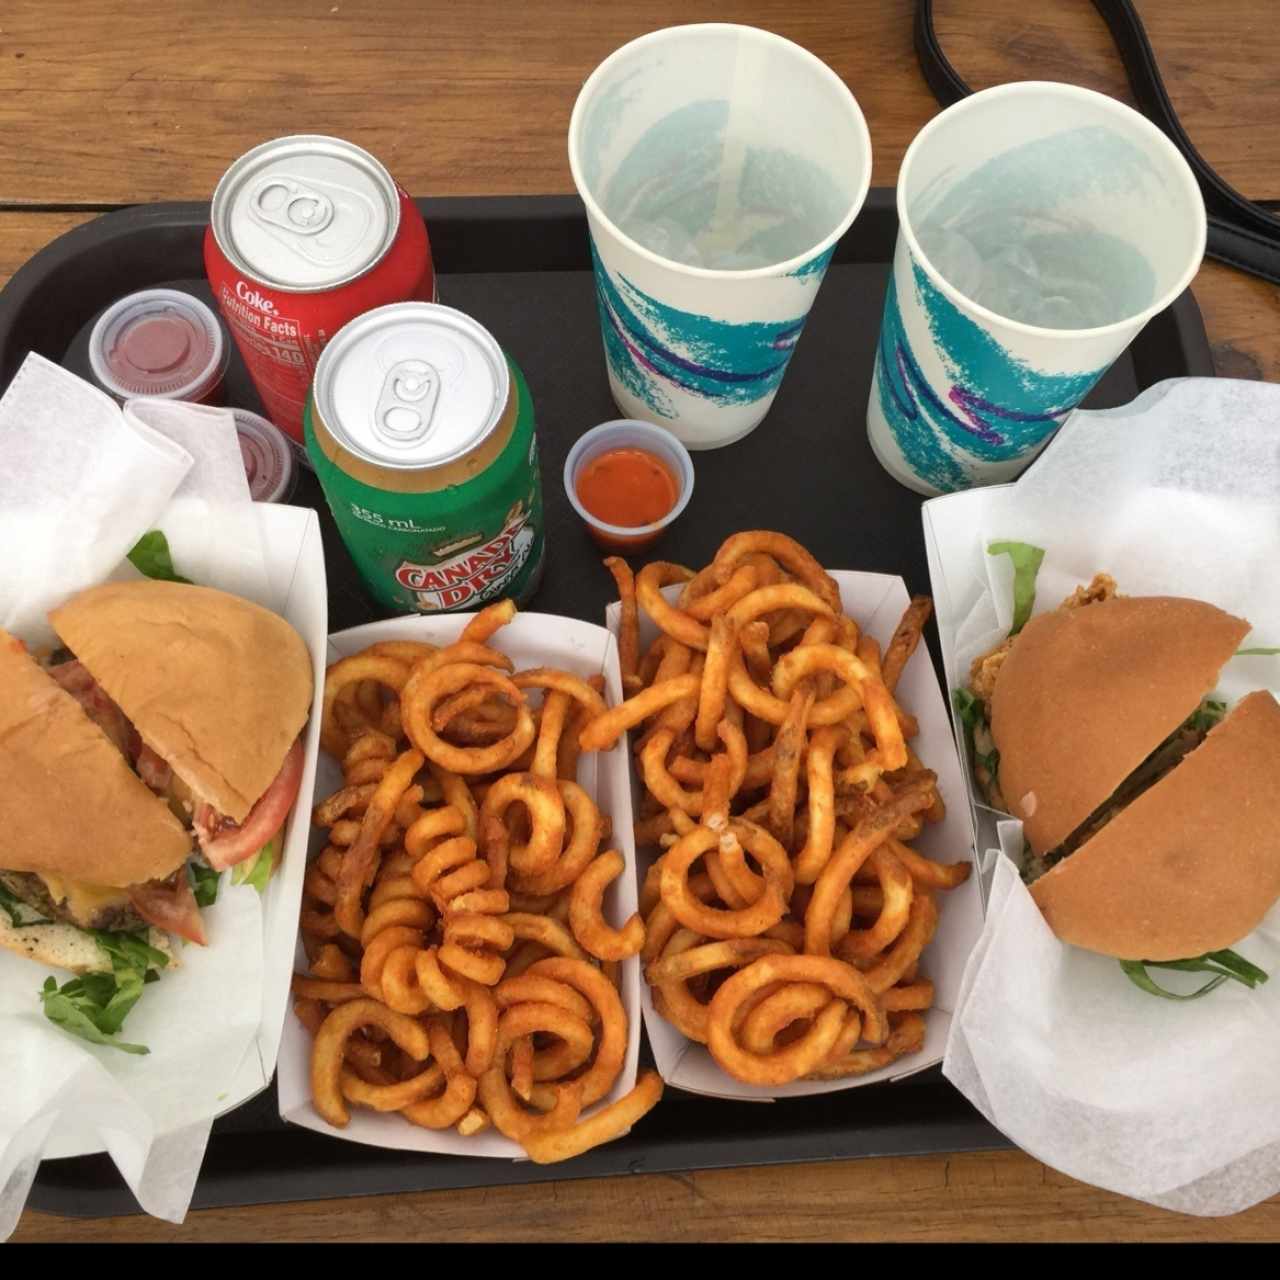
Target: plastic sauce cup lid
<point>623,434</point>
<point>160,342</point>
<point>268,458</point>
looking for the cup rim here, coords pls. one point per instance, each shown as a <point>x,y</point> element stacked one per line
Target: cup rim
<point>625,531</point>
<point>774,269</point>
<point>1117,108</point>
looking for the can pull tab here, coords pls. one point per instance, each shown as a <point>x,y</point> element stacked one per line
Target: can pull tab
<point>407,402</point>
<point>293,206</point>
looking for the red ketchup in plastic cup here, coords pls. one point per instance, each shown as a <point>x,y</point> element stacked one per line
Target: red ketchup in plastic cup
<point>268,458</point>
<point>160,342</point>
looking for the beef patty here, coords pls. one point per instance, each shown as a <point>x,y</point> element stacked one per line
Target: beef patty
<point>28,886</point>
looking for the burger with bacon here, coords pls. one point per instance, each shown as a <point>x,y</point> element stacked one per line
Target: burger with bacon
<point>159,746</point>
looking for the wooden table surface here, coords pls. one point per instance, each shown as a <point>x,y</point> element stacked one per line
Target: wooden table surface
<point>99,108</point>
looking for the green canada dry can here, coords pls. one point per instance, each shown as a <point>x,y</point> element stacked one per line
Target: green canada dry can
<point>421,432</point>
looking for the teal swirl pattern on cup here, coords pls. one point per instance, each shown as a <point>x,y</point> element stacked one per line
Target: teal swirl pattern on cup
<point>654,348</point>
<point>994,407</point>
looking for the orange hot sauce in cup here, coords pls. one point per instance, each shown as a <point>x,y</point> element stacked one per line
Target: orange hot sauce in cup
<point>628,481</point>
<point>629,487</point>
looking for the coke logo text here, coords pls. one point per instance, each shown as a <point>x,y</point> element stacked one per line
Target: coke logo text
<point>254,298</point>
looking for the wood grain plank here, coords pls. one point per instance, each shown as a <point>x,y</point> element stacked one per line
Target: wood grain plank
<point>1209,57</point>
<point>978,1197</point>
<point>474,96</point>
<point>22,234</point>
<point>464,97</point>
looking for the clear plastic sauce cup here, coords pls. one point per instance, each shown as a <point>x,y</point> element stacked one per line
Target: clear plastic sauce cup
<point>160,342</point>
<point>269,464</point>
<point>632,440</point>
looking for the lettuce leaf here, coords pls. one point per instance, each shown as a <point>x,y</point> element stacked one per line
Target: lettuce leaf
<point>12,907</point>
<point>1026,564</point>
<point>1223,965</point>
<point>973,715</point>
<point>971,709</point>
<point>129,951</point>
<point>151,557</point>
<point>1209,713</point>
<point>94,1006</point>
<point>205,882</point>
<point>80,1008</point>
<point>258,870</point>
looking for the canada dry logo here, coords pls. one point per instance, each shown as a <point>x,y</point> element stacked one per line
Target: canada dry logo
<point>474,572</point>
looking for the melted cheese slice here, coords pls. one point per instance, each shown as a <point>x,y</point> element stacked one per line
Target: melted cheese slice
<point>84,900</point>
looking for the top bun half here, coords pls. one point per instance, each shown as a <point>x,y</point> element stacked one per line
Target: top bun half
<point>1085,695</point>
<point>216,685</point>
<point>70,806</point>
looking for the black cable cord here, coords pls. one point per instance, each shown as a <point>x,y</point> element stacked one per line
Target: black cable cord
<point>1241,232</point>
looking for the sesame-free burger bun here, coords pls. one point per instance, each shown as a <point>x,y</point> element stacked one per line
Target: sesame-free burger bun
<point>1085,695</point>
<point>1193,864</point>
<point>63,946</point>
<point>70,806</point>
<point>216,685</point>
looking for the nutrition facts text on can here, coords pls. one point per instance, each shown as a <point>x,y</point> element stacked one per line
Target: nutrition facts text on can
<point>279,339</point>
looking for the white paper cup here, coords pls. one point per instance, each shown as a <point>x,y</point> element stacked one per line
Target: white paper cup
<point>723,145</point>
<point>964,395</point>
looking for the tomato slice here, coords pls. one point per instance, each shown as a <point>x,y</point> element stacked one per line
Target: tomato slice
<point>170,905</point>
<point>225,845</point>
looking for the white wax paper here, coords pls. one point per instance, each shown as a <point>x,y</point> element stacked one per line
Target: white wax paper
<point>1174,1103</point>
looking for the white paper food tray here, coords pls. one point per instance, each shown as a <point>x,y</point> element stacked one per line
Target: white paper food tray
<point>529,640</point>
<point>295,564</point>
<point>1171,1103</point>
<point>876,601</point>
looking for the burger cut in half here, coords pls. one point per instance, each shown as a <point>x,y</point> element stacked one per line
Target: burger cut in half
<point>166,732</point>
<point>1148,809</point>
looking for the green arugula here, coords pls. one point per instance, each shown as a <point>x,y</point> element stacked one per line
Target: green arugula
<point>91,1007</point>
<point>1209,713</point>
<point>258,870</point>
<point>205,882</point>
<point>94,1006</point>
<point>1223,965</point>
<point>1026,564</point>
<point>971,709</point>
<point>129,951</point>
<point>973,715</point>
<point>151,557</point>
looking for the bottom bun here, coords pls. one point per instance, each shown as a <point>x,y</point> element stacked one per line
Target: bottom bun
<point>1193,864</point>
<point>63,946</point>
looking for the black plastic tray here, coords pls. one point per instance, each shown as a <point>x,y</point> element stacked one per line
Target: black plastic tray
<point>521,266</point>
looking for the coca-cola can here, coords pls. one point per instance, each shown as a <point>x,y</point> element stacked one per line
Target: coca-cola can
<point>306,233</point>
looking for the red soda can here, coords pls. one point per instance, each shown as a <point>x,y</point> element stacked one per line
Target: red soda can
<point>306,233</point>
